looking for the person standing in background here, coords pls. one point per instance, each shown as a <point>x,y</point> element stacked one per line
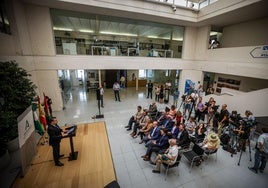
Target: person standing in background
<point>176,95</point>
<point>261,153</point>
<point>123,81</point>
<point>101,95</point>
<point>116,88</point>
<point>150,86</point>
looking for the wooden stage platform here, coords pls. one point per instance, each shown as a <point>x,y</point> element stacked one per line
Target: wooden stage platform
<point>93,167</point>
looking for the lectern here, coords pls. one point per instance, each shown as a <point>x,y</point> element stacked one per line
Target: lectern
<point>71,132</point>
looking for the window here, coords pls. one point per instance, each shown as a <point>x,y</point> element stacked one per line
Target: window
<point>80,74</point>
<point>4,23</point>
<point>142,73</point>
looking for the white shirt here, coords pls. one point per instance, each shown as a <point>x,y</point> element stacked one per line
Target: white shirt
<point>263,138</point>
<point>173,152</point>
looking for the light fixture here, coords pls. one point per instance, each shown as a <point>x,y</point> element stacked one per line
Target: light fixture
<point>86,31</point>
<point>114,33</point>
<point>62,29</point>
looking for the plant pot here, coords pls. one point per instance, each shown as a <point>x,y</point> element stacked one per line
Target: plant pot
<point>13,145</point>
<point>4,160</point>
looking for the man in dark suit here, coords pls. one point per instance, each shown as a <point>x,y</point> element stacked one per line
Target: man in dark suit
<point>55,136</point>
<point>150,86</point>
<point>183,139</point>
<point>153,135</point>
<point>157,145</point>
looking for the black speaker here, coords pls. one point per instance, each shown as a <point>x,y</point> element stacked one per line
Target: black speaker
<point>113,184</point>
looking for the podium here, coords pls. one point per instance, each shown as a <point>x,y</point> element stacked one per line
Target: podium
<point>71,132</point>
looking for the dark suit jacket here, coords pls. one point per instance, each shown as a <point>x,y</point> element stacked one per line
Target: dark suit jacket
<point>184,139</point>
<point>175,133</point>
<point>54,133</point>
<point>156,134</point>
<point>162,142</point>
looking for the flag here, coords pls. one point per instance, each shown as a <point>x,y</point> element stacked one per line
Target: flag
<point>38,125</point>
<point>42,116</point>
<point>47,114</point>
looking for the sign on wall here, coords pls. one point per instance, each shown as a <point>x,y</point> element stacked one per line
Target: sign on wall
<point>25,125</point>
<point>260,52</point>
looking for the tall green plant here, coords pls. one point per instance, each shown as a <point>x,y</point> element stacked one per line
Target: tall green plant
<point>16,94</point>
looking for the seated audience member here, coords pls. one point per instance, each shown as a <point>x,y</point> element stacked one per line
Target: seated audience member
<point>134,119</point>
<point>144,131</point>
<point>153,135</point>
<point>157,145</point>
<point>179,118</point>
<point>190,126</point>
<point>173,133</point>
<point>142,122</point>
<point>169,157</point>
<point>183,139</point>
<point>172,112</point>
<point>200,133</point>
<point>211,142</point>
<point>168,123</point>
<point>152,108</point>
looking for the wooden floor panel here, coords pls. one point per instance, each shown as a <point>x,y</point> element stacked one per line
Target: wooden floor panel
<point>93,167</point>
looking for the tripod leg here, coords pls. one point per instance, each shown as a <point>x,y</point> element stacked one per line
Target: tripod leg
<point>249,148</point>
<point>241,150</point>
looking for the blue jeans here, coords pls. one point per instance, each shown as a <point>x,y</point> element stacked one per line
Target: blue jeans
<point>260,160</point>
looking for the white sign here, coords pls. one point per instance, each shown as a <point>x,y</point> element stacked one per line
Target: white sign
<point>25,125</point>
<point>260,52</point>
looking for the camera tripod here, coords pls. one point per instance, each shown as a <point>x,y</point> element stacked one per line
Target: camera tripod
<point>243,146</point>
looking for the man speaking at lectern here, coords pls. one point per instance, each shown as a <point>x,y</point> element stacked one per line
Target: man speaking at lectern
<point>55,136</point>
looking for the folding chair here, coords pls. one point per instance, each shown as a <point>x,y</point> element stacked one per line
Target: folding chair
<point>167,166</point>
<point>194,155</point>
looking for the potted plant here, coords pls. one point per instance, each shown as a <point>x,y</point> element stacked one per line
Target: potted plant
<point>17,94</point>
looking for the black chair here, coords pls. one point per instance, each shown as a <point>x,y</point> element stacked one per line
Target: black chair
<point>194,155</point>
<point>168,166</point>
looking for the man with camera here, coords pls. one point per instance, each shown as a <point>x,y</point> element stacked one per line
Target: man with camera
<point>261,153</point>
<point>223,118</point>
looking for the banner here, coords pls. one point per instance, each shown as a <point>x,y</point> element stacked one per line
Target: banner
<point>25,125</point>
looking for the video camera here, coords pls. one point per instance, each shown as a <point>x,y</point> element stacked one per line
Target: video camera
<point>183,97</point>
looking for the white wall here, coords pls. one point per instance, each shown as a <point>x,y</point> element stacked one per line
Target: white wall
<point>189,43</point>
<point>247,84</point>
<point>193,75</point>
<point>40,29</point>
<point>251,33</point>
<point>254,101</point>
<point>48,83</point>
<point>201,45</point>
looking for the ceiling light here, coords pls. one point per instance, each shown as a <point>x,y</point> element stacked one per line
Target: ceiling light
<point>154,37</point>
<point>114,33</point>
<point>86,31</point>
<point>62,29</point>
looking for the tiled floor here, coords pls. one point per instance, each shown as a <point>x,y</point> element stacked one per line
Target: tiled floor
<point>131,170</point>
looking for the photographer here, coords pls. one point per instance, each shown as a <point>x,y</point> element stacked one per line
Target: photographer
<point>223,118</point>
<point>233,124</point>
<point>243,133</point>
<point>251,122</point>
<point>261,153</point>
